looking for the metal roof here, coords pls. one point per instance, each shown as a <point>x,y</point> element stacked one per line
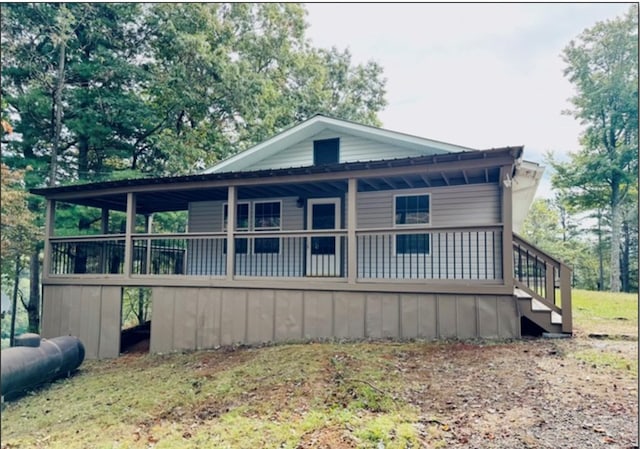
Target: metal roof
<point>175,192</point>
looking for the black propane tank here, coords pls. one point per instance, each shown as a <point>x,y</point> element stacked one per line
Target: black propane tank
<point>35,361</point>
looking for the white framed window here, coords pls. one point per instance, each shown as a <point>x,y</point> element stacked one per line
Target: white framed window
<point>242,224</point>
<point>412,210</point>
<point>267,216</point>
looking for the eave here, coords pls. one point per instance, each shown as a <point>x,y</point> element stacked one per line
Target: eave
<point>174,193</point>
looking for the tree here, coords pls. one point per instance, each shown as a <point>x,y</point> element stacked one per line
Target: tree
<point>101,91</point>
<point>549,226</point>
<point>603,66</point>
<point>18,237</point>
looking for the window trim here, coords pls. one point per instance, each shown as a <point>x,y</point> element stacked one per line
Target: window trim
<point>225,205</point>
<point>256,229</point>
<point>401,225</point>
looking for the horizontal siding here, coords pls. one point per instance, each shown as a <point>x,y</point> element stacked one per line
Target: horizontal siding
<point>206,216</point>
<point>477,205</point>
<point>206,256</point>
<point>352,149</point>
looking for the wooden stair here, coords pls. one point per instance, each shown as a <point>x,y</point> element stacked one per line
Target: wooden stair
<point>542,285</point>
<point>537,312</point>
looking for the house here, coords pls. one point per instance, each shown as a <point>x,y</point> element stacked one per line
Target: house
<point>330,229</point>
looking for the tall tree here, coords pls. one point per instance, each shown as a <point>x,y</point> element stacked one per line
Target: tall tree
<point>603,66</point>
<point>18,237</point>
<point>110,90</point>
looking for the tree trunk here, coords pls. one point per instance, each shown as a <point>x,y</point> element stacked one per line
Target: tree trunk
<point>616,225</point>
<point>624,262</point>
<point>58,109</point>
<point>33,310</point>
<point>14,302</point>
<point>600,255</point>
<point>83,157</point>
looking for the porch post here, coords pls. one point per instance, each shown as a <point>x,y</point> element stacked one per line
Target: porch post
<point>49,227</point>
<point>507,226</point>
<point>232,197</point>
<point>104,230</point>
<point>352,224</point>
<point>148,222</point>
<point>129,230</point>
<point>104,221</point>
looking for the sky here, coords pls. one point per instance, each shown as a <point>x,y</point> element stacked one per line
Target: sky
<point>478,75</point>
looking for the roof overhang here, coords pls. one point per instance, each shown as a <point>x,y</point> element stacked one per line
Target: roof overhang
<point>175,193</point>
<point>526,179</point>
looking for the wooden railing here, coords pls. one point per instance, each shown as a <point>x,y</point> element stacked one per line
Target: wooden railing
<point>543,277</point>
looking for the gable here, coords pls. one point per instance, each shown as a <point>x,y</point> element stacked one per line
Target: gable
<point>358,143</point>
<point>351,149</point>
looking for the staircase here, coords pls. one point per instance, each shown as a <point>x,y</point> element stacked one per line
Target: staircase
<point>542,285</point>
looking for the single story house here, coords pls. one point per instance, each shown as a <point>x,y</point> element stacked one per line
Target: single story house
<point>330,229</point>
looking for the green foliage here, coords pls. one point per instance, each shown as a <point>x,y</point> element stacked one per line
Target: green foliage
<point>136,306</point>
<point>18,233</point>
<point>603,66</point>
<point>168,88</point>
<point>551,227</point>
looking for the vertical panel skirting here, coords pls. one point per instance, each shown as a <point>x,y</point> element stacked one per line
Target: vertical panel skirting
<point>110,322</point>
<point>188,318</point>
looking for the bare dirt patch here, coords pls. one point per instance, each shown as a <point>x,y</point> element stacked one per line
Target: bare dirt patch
<point>523,394</point>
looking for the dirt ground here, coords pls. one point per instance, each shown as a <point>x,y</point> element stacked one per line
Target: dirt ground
<point>528,394</point>
<point>532,393</point>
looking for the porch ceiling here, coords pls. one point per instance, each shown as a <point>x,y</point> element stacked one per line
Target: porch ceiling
<point>173,194</point>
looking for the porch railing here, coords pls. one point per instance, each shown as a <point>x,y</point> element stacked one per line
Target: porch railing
<point>544,278</point>
<point>88,255</point>
<point>464,253</point>
<point>460,253</point>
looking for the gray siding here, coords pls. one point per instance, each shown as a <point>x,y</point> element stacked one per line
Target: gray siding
<point>476,205</point>
<point>200,318</point>
<point>207,216</point>
<point>188,318</point>
<point>91,313</point>
<point>452,255</point>
<point>352,149</point>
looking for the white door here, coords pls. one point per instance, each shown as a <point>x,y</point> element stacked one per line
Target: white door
<point>323,253</point>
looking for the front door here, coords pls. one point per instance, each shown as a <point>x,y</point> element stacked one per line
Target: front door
<point>323,253</point>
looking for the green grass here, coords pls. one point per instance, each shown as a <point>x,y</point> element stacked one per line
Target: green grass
<point>281,396</point>
<point>268,397</point>
<point>605,312</point>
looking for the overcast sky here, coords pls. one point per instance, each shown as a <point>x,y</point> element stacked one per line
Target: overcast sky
<point>478,75</point>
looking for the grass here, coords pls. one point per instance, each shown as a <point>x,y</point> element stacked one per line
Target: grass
<point>281,396</point>
<point>268,397</point>
<point>605,312</point>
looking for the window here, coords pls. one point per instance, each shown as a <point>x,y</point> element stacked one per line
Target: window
<point>412,210</point>
<point>266,217</point>
<point>242,224</point>
<point>326,151</point>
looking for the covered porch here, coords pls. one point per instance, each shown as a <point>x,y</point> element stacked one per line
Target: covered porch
<point>417,224</point>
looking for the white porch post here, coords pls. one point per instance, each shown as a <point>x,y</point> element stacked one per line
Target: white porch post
<point>129,230</point>
<point>352,224</point>
<point>507,225</point>
<point>49,227</point>
<point>232,196</point>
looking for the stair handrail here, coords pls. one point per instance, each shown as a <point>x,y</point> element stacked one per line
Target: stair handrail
<point>564,273</point>
<point>540,252</point>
